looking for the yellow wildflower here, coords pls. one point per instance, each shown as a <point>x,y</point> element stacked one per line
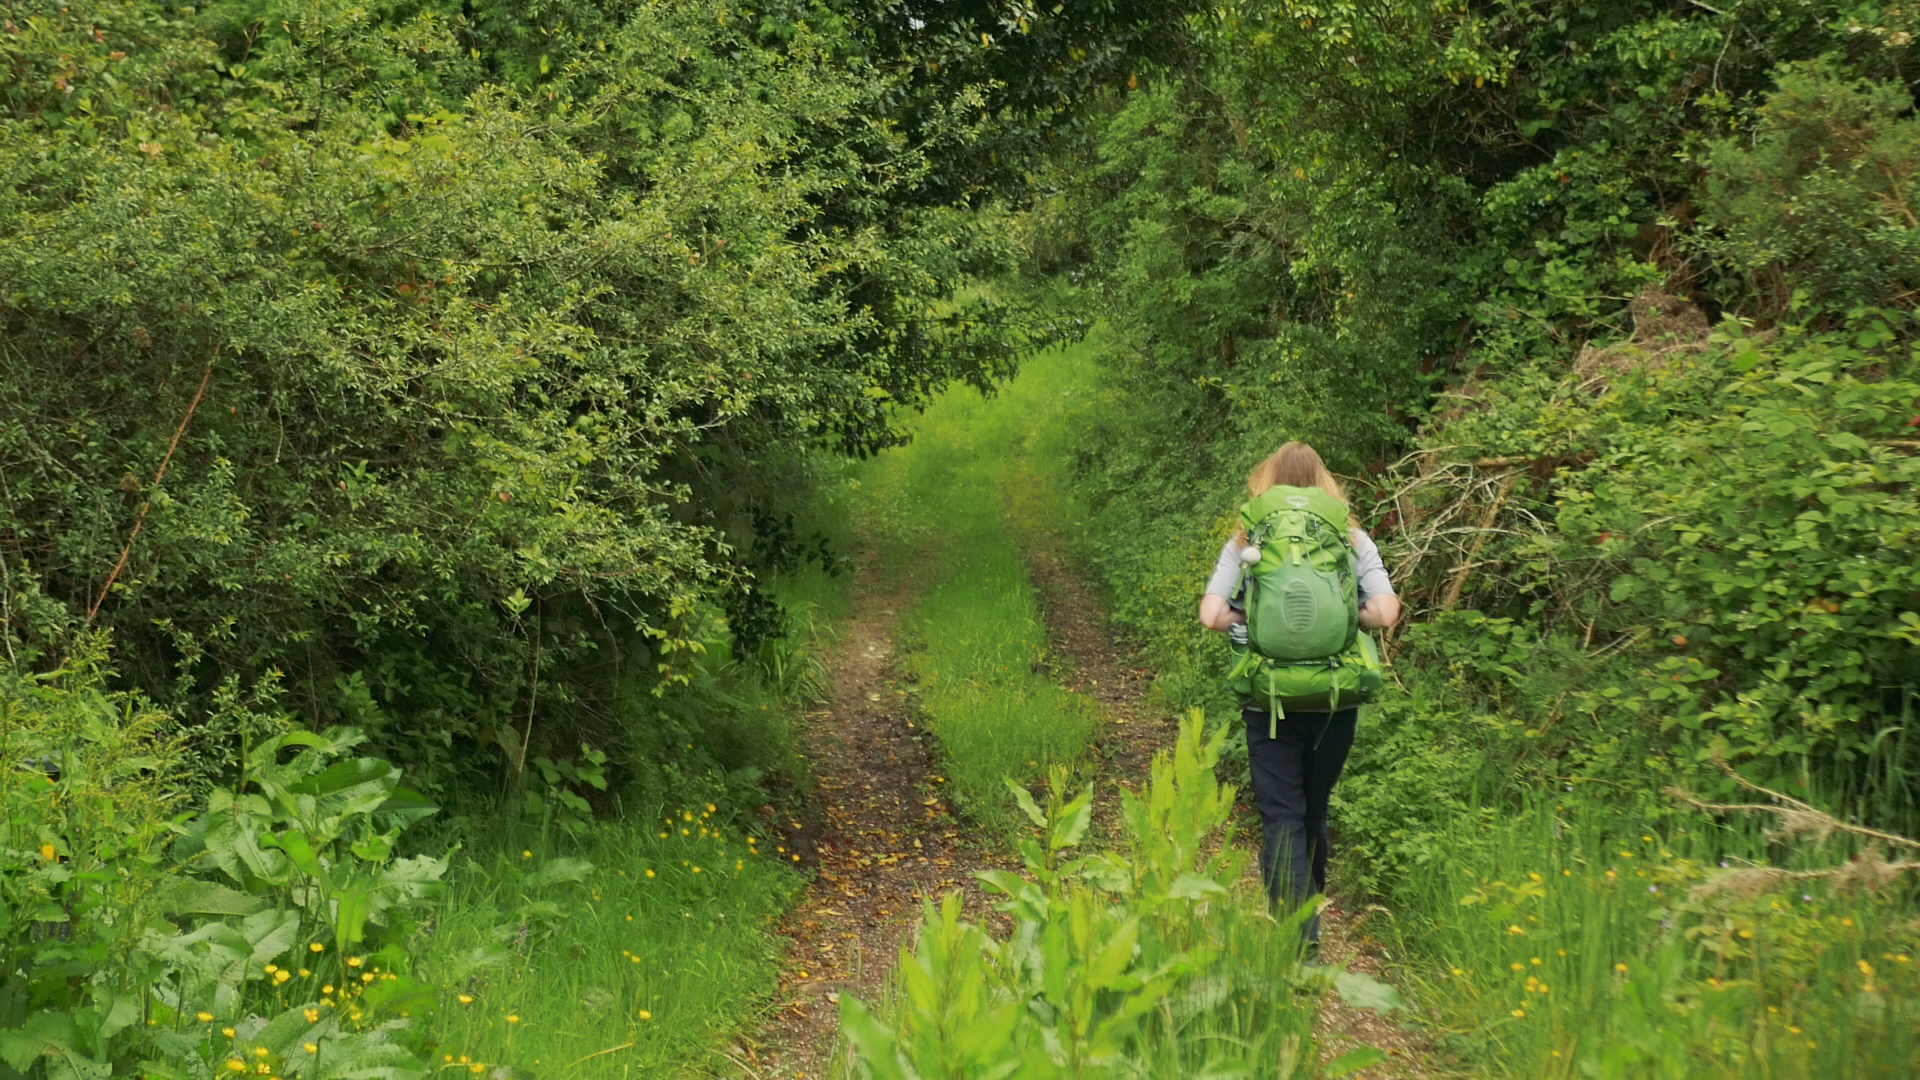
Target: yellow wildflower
<point>311,1048</point>
<point>203,1017</point>
<point>48,852</point>
<point>1621,968</point>
<point>316,947</point>
<point>645,1015</point>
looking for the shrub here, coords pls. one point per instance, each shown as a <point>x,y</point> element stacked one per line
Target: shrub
<point>263,932</point>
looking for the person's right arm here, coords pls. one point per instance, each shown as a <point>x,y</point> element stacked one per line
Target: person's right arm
<point>1216,614</point>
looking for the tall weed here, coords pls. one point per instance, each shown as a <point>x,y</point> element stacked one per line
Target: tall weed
<point>1143,961</point>
<point>1555,943</point>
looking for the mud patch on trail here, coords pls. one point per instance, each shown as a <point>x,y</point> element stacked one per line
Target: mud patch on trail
<point>1084,658</point>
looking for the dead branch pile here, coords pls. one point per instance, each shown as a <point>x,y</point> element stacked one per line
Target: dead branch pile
<point>1868,870</point>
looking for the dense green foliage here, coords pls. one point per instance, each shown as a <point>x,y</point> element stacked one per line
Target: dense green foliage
<point>1332,217</point>
<point>134,936</point>
<point>281,927</point>
<point>1605,312</point>
<point>435,367</point>
<point>457,378</point>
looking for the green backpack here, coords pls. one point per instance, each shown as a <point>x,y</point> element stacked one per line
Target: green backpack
<point>1304,645</point>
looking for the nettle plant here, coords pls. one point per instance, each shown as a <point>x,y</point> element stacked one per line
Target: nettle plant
<point>258,936</point>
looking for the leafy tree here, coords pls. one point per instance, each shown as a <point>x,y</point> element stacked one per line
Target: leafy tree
<point>440,364</point>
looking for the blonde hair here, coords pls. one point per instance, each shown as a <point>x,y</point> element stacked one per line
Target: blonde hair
<point>1293,465</point>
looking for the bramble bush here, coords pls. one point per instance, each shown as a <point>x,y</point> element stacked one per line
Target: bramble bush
<point>1704,560</point>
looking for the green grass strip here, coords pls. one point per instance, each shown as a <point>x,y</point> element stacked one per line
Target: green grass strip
<point>946,511</point>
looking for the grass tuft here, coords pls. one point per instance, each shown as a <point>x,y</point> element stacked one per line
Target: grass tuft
<point>623,953</point>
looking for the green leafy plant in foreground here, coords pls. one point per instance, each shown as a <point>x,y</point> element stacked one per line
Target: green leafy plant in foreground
<point>1136,962</point>
<point>258,936</point>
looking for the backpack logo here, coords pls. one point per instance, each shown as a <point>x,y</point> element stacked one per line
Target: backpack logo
<point>1298,502</point>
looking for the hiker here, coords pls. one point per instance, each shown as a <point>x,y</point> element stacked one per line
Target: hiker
<point>1311,577</point>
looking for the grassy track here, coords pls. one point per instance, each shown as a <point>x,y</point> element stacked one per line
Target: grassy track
<point>941,510</point>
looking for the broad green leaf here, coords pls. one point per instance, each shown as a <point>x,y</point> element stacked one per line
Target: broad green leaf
<point>1027,805</point>
<point>192,897</point>
<point>1193,887</point>
<point>555,871</point>
<point>42,1034</point>
<point>270,934</point>
<point>1075,817</point>
<point>1353,1061</point>
<point>1367,992</point>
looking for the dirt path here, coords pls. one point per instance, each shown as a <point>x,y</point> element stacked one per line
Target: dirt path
<point>879,838</point>
<point>881,835</point>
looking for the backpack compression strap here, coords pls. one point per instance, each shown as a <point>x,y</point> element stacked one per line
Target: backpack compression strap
<point>1281,497</point>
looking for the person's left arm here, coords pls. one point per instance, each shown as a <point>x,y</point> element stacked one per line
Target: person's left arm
<point>1379,607</point>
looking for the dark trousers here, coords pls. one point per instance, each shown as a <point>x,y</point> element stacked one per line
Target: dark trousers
<point>1293,776</point>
